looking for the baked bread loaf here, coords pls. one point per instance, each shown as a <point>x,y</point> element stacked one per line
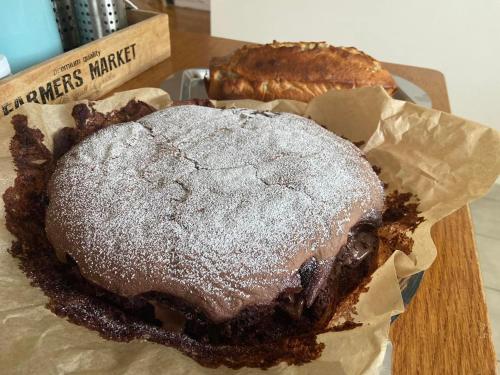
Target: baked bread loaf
<point>238,228</point>
<point>298,71</point>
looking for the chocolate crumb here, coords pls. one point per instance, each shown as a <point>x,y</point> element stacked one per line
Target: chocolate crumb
<point>345,326</point>
<point>400,218</point>
<point>88,120</point>
<point>198,102</point>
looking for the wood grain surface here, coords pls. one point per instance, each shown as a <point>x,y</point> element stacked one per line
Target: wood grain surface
<point>445,329</point>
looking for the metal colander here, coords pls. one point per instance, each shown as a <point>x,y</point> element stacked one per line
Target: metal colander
<point>97,18</point>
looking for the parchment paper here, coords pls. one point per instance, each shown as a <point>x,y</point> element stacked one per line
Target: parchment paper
<point>445,160</point>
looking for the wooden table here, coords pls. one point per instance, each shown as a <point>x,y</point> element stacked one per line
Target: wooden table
<point>446,328</point>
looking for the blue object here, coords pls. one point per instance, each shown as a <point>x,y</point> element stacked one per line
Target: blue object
<point>28,32</point>
<point>410,290</point>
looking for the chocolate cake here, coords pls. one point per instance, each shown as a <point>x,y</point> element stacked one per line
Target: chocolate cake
<point>229,227</point>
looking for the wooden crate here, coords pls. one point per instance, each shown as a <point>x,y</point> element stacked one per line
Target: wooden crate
<point>93,69</point>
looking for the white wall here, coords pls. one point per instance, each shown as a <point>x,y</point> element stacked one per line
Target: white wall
<point>461,38</point>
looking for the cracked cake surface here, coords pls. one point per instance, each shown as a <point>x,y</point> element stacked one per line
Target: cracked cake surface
<point>217,207</point>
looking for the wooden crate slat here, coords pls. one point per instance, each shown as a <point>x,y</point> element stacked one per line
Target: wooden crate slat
<point>93,69</point>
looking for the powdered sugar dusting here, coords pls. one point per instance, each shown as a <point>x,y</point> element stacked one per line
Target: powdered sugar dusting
<point>219,207</point>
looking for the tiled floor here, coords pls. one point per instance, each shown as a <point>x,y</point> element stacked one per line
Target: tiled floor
<point>486,217</point>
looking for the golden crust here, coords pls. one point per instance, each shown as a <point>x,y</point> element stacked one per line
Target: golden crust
<point>298,71</point>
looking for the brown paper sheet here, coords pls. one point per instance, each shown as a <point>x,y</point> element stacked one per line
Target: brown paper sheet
<point>445,160</point>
